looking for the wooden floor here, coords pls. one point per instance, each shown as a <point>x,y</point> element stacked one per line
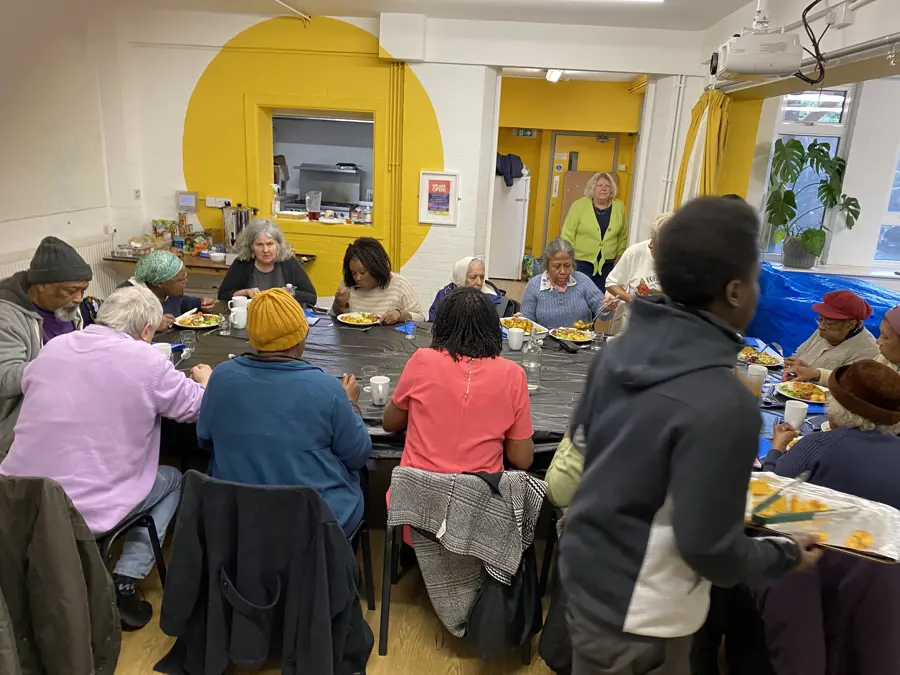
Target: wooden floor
<point>418,642</point>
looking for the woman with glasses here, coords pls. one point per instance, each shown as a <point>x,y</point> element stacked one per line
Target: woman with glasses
<point>841,337</point>
<point>165,275</point>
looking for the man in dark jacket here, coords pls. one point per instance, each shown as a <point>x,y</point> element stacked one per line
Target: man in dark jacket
<point>671,435</point>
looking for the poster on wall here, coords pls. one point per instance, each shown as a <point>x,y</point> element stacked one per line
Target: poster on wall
<point>438,197</point>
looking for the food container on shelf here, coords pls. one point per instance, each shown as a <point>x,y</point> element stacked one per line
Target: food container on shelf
<point>217,257</point>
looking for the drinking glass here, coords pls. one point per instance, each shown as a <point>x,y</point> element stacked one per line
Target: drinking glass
<point>224,325</point>
<point>410,330</point>
<point>189,340</point>
<point>598,342</point>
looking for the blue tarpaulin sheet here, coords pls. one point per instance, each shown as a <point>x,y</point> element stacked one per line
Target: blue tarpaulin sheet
<point>786,298</point>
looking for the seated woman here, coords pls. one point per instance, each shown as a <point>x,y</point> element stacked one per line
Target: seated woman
<point>841,337</point>
<point>463,407</point>
<point>90,420</point>
<point>635,273</point>
<point>470,272</point>
<point>844,615</point>
<point>265,261</point>
<point>274,419</point>
<point>370,286</point>
<point>560,296</point>
<point>888,346</point>
<point>165,275</point>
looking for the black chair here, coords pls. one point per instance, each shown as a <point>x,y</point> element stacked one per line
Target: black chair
<point>142,519</point>
<point>359,537</point>
<point>549,547</point>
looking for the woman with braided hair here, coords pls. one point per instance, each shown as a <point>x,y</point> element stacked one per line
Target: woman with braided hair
<point>462,405</point>
<point>370,286</point>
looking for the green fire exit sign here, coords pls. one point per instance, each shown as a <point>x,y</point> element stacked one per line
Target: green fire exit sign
<point>525,133</point>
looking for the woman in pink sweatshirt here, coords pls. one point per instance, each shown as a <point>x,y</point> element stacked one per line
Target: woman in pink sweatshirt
<point>90,420</point>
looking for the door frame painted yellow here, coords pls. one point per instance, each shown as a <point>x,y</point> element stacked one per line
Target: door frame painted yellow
<point>549,168</point>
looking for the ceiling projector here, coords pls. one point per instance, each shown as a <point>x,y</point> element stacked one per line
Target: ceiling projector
<point>757,56</point>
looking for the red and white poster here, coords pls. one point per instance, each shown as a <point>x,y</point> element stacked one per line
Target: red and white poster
<point>439,197</point>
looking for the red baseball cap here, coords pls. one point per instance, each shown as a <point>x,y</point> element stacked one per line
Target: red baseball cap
<point>843,305</point>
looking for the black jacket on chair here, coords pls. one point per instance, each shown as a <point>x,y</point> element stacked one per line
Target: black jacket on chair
<point>258,571</point>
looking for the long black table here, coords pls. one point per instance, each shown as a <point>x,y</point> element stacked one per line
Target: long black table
<point>339,349</point>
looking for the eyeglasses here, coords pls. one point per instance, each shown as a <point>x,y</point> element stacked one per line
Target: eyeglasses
<point>831,323</point>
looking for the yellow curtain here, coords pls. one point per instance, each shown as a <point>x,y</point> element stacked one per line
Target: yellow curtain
<point>714,149</point>
<point>696,118</point>
<point>715,104</point>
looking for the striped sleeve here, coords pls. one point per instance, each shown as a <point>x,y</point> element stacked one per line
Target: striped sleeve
<point>804,456</point>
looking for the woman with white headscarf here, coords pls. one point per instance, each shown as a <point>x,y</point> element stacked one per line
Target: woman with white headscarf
<point>470,272</point>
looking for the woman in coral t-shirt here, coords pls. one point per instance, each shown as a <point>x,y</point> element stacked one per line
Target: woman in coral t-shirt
<point>463,406</point>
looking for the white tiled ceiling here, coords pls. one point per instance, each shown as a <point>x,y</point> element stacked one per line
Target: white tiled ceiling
<point>671,14</point>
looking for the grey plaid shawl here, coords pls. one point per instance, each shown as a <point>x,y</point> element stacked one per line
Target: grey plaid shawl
<point>471,529</point>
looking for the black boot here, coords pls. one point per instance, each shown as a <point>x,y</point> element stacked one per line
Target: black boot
<point>134,611</point>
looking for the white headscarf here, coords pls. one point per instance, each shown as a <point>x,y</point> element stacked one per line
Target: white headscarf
<point>461,271</point>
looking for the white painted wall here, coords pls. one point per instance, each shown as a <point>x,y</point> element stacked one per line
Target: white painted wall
<point>53,172</point>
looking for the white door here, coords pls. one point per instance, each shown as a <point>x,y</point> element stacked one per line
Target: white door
<point>508,223</point>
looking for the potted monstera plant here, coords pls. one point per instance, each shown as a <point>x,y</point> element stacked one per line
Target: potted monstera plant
<point>801,247</point>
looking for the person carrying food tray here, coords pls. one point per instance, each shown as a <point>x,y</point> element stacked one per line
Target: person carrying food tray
<point>845,617</point>
<point>670,437</point>
<point>165,275</point>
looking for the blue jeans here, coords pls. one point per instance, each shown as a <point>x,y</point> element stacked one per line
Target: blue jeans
<point>137,558</point>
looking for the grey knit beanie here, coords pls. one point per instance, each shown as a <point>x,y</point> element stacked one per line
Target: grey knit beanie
<point>55,261</point>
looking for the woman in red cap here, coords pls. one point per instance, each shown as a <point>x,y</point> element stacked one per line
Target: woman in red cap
<point>888,345</point>
<point>841,337</point>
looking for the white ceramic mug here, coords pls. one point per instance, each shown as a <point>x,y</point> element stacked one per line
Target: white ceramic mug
<point>239,317</point>
<point>381,389</point>
<point>795,413</point>
<point>238,302</point>
<point>516,337</point>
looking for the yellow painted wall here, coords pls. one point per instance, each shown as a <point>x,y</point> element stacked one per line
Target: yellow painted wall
<point>227,143</point>
<point>529,150</point>
<point>597,107</point>
<point>569,105</point>
<point>740,143</point>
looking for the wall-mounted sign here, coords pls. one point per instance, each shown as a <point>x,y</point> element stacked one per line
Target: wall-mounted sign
<point>438,197</point>
<point>525,133</point>
<point>558,167</point>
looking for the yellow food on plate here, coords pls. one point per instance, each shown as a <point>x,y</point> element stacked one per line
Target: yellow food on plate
<point>760,488</point>
<point>360,318</point>
<point>806,390</point>
<point>572,334</point>
<point>860,540</point>
<point>198,320</point>
<point>517,322</point>
<point>751,355</point>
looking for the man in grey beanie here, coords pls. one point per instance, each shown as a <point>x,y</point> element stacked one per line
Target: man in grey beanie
<point>35,306</point>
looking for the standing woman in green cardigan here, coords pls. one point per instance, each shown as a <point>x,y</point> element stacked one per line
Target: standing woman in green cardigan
<point>595,226</point>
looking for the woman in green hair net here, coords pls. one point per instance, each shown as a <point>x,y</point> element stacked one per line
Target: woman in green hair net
<point>164,274</point>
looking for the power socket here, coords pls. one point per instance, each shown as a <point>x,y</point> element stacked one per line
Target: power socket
<point>841,17</point>
<point>217,202</point>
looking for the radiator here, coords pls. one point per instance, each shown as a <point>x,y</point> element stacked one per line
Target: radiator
<point>93,251</point>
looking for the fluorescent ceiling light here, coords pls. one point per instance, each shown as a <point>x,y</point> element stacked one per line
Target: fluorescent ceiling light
<point>553,75</point>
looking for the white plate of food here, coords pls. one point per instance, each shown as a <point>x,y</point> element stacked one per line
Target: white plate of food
<point>361,319</point>
<point>802,391</point>
<point>525,324</point>
<point>198,320</point>
<point>572,335</point>
<point>767,359</point>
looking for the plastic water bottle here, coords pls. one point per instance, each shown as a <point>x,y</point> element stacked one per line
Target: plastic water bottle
<point>531,361</point>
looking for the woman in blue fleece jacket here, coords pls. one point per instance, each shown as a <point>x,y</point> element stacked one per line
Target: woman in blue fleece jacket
<point>274,419</point>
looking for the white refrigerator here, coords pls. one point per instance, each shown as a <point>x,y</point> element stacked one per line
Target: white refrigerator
<point>509,220</point>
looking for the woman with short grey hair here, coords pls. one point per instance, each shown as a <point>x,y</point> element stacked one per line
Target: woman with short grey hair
<point>133,310</point>
<point>560,296</point>
<point>265,261</point>
<point>595,225</point>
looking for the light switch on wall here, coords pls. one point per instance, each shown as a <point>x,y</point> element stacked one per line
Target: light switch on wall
<point>622,167</point>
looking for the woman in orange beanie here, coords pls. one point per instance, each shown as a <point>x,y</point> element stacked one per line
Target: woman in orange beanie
<point>271,418</point>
